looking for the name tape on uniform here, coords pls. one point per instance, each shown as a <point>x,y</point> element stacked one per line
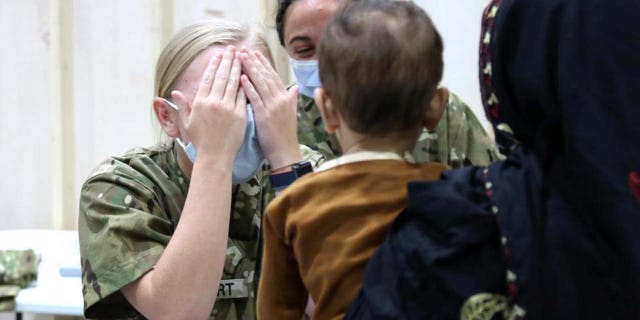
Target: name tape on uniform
<point>233,288</point>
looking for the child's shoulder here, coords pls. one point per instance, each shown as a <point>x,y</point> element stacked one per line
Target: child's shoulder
<point>311,184</point>
<point>304,188</point>
<point>407,171</point>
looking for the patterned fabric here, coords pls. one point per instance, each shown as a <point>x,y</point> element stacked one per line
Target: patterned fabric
<point>458,140</point>
<point>130,207</point>
<point>504,134</point>
<point>311,129</point>
<point>18,268</point>
<point>563,75</point>
<point>492,105</point>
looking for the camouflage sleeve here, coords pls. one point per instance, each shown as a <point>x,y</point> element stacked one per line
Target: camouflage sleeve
<point>123,231</point>
<point>18,267</point>
<point>458,140</point>
<point>311,131</point>
<point>314,156</point>
<point>481,149</point>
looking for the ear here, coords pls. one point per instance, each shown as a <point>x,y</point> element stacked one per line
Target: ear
<point>436,108</point>
<point>330,116</point>
<point>167,117</point>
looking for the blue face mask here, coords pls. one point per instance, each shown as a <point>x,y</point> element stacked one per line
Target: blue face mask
<point>307,75</point>
<point>249,158</point>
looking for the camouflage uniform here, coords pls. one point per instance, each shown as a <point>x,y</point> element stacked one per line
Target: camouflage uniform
<point>458,140</point>
<point>130,207</point>
<point>18,268</point>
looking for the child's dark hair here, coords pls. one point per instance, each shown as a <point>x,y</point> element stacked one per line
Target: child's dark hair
<point>380,63</point>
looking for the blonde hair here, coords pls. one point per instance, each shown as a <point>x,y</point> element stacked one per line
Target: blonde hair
<point>192,40</point>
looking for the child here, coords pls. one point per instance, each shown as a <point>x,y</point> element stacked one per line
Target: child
<point>380,63</point>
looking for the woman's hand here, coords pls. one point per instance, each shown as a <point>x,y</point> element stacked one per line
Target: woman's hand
<point>217,119</point>
<point>274,108</point>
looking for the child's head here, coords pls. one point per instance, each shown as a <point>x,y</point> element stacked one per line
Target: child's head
<point>380,64</point>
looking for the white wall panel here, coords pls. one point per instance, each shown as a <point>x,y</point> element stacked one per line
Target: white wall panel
<point>25,154</point>
<point>114,63</point>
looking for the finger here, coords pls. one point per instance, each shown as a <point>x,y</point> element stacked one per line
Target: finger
<point>272,72</point>
<point>184,109</point>
<point>256,74</point>
<point>269,79</point>
<point>241,107</point>
<point>209,74</point>
<point>231,91</point>
<point>221,77</point>
<point>293,91</point>
<point>252,94</point>
<point>241,99</point>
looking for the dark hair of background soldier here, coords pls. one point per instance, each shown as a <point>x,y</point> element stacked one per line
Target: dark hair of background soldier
<point>283,6</point>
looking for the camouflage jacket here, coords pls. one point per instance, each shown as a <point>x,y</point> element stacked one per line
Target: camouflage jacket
<point>18,268</point>
<point>130,207</point>
<point>458,140</point>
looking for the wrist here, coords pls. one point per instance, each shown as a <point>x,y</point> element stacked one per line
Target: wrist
<point>283,177</point>
<point>214,162</point>
<point>286,168</point>
<point>208,171</point>
<point>283,162</point>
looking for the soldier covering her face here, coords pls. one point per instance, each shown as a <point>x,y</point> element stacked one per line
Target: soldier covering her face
<point>160,227</point>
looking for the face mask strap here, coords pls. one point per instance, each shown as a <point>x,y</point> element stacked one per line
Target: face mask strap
<point>171,104</point>
<point>180,142</point>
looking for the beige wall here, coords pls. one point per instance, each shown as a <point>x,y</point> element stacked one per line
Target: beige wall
<point>76,81</point>
<point>25,126</point>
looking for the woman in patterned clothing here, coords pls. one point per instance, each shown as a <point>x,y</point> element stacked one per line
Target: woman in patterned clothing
<point>160,227</point>
<point>552,231</point>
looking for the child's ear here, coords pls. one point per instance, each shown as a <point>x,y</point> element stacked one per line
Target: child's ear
<point>436,108</point>
<point>330,117</point>
<point>163,113</point>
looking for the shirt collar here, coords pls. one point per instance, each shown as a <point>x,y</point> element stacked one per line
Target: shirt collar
<point>364,156</point>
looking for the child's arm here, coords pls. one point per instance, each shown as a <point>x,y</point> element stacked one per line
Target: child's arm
<point>281,293</point>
